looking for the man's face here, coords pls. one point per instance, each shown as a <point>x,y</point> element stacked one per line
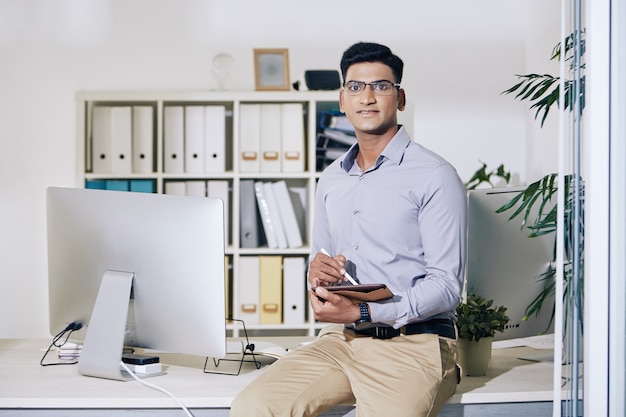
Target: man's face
<point>369,112</point>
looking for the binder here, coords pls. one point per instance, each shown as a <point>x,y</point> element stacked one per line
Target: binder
<point>96,184</point>
<point>250,235</point>
<point>270,137</point>
<point>266,218</point>
<point>194,139</point>
<point>175,188</point>
<point>214,138</point>
<point>292,137</point>
<point>117,185</point>
<point>271,289</point>
<point>298,197</point>
<point>173,139</point>
<point>287,214</point>
<point>196,188</point>
<point>220,189</point>
<point>101,160</point>
<point>249,137</point>
<point>274,211</point>
<point>121,139</point>
<point>142,186</point>
<point>294,290</point>
<point>248,290</point>
<point>143,139</point>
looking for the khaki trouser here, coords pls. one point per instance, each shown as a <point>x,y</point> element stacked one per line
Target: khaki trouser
<point>410,376</point>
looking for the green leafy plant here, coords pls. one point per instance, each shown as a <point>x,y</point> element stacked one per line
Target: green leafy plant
<point>543,90</point>
<point>542,195</point>
<point>482,176</point>
<point>476,318</point>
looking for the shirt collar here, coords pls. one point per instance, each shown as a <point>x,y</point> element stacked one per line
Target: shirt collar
<point>394,151</point>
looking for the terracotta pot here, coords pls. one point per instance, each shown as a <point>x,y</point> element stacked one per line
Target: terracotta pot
<point>474,356</point>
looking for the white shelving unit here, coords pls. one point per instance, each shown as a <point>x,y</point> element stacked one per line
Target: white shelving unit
<point>313,103</point>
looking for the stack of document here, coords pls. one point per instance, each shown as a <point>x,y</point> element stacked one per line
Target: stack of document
<point>336,136</point>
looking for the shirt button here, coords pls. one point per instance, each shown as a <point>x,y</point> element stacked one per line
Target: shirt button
<point>356,248</point>
<point>355,212</point>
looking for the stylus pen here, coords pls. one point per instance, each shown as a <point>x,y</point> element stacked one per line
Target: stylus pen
<point>346,274</point>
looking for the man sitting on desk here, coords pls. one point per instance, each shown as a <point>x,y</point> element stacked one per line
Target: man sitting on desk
<point>391,212</point>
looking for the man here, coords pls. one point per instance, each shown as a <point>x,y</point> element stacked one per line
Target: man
<point>391,212</point>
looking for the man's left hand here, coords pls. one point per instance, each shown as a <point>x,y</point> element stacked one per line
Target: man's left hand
<point>333,308</point>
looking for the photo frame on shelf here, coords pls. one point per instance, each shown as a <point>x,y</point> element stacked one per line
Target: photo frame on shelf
<point>271,69</point>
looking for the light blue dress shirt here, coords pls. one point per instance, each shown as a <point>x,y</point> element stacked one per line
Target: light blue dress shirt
<point>402,223</point>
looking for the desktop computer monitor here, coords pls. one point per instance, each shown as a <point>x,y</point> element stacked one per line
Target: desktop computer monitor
<point>503,263</point>
<point>136,269</point>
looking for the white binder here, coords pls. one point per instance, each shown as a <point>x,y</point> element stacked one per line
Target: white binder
<point>143,139</point>
<point>287,214</point>
<point>121,139</point>
<point>214,138</point>
<point>173,139</point>
<point>196,188</point>
<point>292,137</point>
<point>194,139</point>
<point>101,160</point>
<point>294,290</point>
<point>247,304</point>
<point>281,238</point>
<point>220,189</point>
<point>299,203</point>
<point>175,188</point>
<point>249,137</point>
<point>266,218</point>
<point>270,137</point>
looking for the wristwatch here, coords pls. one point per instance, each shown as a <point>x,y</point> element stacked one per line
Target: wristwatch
<point>365,320</point>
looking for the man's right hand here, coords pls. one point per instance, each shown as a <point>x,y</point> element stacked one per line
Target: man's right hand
<point>325,270</point>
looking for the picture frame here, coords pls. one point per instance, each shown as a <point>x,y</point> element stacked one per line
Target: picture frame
<point>271,69</point>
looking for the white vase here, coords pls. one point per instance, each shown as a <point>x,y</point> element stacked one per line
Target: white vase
<point>474,356</point>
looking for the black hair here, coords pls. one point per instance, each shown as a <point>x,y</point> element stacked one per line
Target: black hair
<point>371,52</point>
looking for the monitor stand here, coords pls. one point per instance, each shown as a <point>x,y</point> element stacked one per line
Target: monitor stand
<point>101,354</point>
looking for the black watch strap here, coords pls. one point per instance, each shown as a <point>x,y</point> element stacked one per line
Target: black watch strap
<point>365,318</point>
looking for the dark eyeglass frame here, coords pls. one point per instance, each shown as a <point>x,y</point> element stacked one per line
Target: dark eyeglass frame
<point>362,85</point>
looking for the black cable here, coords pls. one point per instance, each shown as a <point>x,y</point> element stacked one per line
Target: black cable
<point>65,333</point>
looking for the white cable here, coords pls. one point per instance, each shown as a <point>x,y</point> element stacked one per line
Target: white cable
<point>163,390</point>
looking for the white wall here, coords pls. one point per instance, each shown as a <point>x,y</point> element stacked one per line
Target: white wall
<point>459,55</point>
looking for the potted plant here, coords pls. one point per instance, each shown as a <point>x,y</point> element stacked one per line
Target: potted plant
<point>478,321</point>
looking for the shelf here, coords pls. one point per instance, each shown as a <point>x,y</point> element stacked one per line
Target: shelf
<point>233,169</point>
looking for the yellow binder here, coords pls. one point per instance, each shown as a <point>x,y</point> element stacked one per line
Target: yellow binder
<point>271,289</point>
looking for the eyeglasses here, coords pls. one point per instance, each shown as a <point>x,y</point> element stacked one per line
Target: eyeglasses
<point>379,88</point>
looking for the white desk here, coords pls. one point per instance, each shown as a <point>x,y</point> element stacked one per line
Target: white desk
<point>512,387</point>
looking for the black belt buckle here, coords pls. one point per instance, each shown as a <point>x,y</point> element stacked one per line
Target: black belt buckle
<point>385,332</point>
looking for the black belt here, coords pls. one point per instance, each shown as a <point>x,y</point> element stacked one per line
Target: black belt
<point>441,327</point>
